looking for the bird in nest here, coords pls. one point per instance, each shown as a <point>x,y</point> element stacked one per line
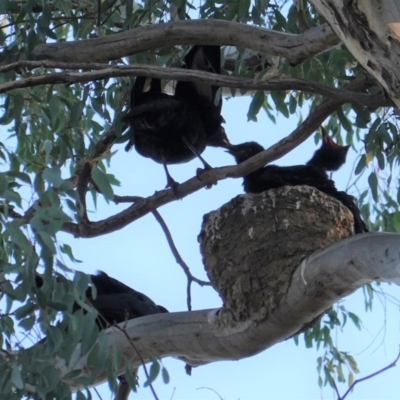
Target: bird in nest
<point>329,157</point>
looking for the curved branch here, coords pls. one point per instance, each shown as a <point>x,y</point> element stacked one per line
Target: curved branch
<point>103,71</point>
<point>295,48</point>
<point>201,337</point>
<point>279,149</point>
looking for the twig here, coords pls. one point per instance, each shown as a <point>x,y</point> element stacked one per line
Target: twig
<point>179,259</point>
<point>391,365</point>
<point>174,250</point>
<point>141,359</point>
<point>207,388</point>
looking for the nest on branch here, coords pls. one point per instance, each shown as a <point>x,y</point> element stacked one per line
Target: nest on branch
<point>252,245</point>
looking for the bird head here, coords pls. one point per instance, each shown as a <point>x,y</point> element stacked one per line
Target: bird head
<point>244,151</point>
<point>219,139</point>
<point>330,156</point>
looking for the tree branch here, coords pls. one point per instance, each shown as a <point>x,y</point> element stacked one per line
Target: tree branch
<point>207,177</point>
<point>295,48</point>
<point>103,71</point>
<point>391,365</point>
<point>201,337</point>
<point>371,34</point>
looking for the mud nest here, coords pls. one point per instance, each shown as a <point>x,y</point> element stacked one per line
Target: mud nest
<point>252,245</point>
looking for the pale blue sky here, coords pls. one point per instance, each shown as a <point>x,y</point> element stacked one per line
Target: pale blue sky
<point>139,256</point>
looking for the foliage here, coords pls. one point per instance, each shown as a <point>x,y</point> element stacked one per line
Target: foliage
<point>53,131</point>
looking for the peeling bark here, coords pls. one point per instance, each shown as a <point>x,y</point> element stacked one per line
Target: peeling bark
<point>370,30</point>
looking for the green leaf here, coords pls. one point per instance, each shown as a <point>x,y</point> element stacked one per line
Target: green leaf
<point>278,96</point>
<point>328,377</point>
<point>341,377</point>
<point>131,375</point>
<point>98,355</point>
<point>154,371</point>
<point>47,241</point>
<point>76,114</point>
<point>20,175</point>
<point>292,104</point>
<point>3,183</point>
<point>244,6</point>
<point>16,377</point>
<point>165,375</point>
<point>66,249</point>
<point>255,105</point>
<point>352,363</point>
<point>90,333</point>
<point>350,379</point>
<point>102,182</point>
<point>80,395</point>
<point>343,120</point>
<point>53,176</point>
<point>19,238</point>
<point>25,310</point>
<point>373,184</point>
<point>355,319</point>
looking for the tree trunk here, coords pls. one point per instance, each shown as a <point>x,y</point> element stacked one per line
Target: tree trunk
<point>371,32</point>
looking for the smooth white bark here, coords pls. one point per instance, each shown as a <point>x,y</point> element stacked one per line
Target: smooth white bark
<point>206,336</point>
<point>370,30</point>
<point>295,48</point>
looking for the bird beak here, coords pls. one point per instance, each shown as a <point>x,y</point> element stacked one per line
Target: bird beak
<point>327,140</point>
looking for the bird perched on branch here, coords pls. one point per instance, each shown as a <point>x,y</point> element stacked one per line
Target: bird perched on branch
<point>115,303</point>
<point>173,129</point>
<point>329,157</point>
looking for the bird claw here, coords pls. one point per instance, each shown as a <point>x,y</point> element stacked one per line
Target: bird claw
<point>173,184</point>
<point>199,171</point>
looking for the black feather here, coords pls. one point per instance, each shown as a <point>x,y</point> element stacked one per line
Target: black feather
<point>172,129</point>
<point>273,177</point>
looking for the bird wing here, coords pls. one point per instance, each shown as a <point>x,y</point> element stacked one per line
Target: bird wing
<point>117,301</point>
<point>273,177</point>
<point>202,58</point>
<point>160,105</point>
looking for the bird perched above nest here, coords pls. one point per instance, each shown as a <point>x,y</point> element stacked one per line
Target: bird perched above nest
<point>173,129</point>
<point>329,157</point>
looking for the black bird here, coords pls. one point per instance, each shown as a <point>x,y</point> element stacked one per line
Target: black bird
<point>205,97</point>
<point>313,174</point>
<point>172,129</point>
<point>115,303</point>
<point>330,156</point>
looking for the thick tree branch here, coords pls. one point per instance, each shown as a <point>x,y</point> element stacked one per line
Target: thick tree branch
<point>371,34</point>
<point>295,48</point>
<point>201,337</point>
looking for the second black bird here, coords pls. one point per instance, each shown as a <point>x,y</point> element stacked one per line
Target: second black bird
<point>115,303</point>
<point>313,174</point>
